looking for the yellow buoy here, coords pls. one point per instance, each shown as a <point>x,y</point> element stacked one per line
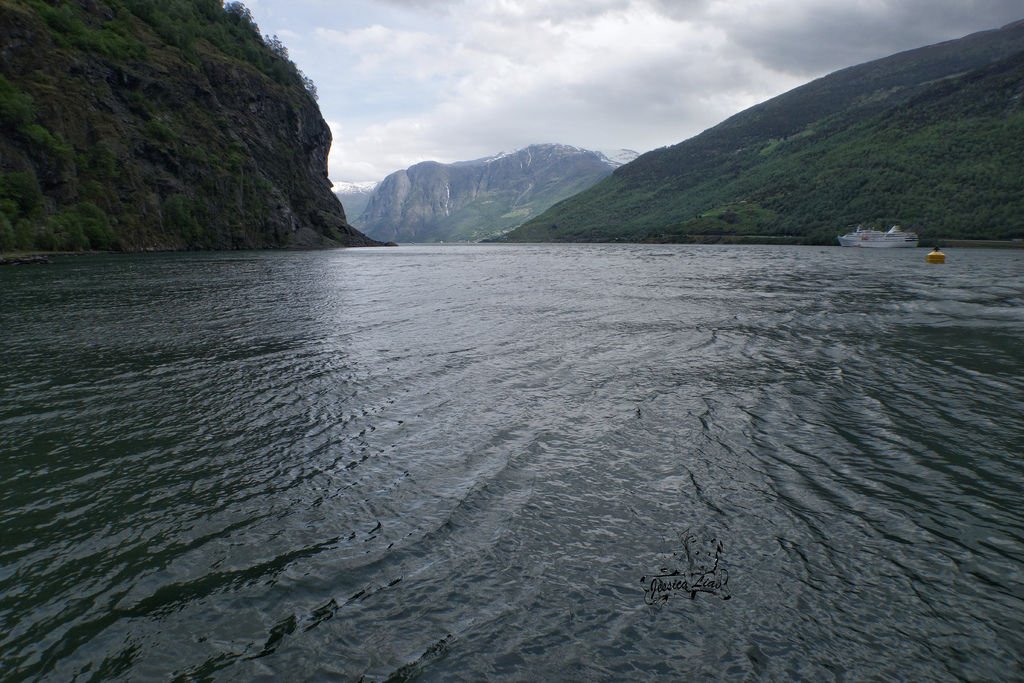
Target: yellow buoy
<point>935,256</point>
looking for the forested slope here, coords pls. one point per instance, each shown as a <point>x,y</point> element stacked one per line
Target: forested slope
<point>131,124</point>
<point>932,138</point>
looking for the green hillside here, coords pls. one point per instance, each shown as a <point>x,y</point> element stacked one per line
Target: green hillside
<point>133,124</point>
<point>932,139</point>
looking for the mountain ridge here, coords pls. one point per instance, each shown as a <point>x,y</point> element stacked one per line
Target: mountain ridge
<point>478,198</point>
<point>803,163</point>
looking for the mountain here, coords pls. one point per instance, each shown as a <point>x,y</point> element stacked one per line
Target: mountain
<point>473,200</point>
<point>932,138</point>
<point>138,125</point>
<point>618,157</point>
<point>354,196</point>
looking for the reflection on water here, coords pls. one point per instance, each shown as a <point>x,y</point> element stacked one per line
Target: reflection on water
<point>472,462</point>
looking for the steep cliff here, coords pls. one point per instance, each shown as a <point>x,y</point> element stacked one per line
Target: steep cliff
<point>128,124</point>
<point>474,200</point>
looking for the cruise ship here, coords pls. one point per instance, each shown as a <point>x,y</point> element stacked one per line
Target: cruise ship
<point>869,237</point>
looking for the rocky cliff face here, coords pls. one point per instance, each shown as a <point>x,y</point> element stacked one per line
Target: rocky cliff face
<point>173,125</point>
<point>478,199</point>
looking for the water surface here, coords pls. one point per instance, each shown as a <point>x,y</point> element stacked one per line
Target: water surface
<point>472,462</point>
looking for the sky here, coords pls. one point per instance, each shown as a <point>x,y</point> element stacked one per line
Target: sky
<point>404,81</point>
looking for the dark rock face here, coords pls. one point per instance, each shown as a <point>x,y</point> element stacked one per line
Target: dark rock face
<point>479,199</point>
<point>167,143</point>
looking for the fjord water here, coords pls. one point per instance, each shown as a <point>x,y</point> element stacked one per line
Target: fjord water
<point>467,462</point>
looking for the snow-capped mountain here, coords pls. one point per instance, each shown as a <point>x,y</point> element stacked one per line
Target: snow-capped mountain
<point>618,157</point>
<point>354,197</point>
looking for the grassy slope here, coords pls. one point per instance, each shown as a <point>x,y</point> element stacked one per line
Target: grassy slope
<point>890,141</point>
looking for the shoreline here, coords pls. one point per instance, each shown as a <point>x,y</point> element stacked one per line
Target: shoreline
<point>972,244</point>
<point>43,257</point>
<point>38,256</point>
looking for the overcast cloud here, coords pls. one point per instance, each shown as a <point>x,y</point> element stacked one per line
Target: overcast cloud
<point>403,81</point>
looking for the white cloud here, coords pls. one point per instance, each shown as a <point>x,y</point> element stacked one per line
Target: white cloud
<point>403,81</point>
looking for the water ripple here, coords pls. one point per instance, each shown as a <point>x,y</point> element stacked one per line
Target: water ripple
<point>459,463</point>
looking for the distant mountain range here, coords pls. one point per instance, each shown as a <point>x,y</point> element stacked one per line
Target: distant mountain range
<point>932,138</point>
<point>354,196</point>
<point>478,199</point>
